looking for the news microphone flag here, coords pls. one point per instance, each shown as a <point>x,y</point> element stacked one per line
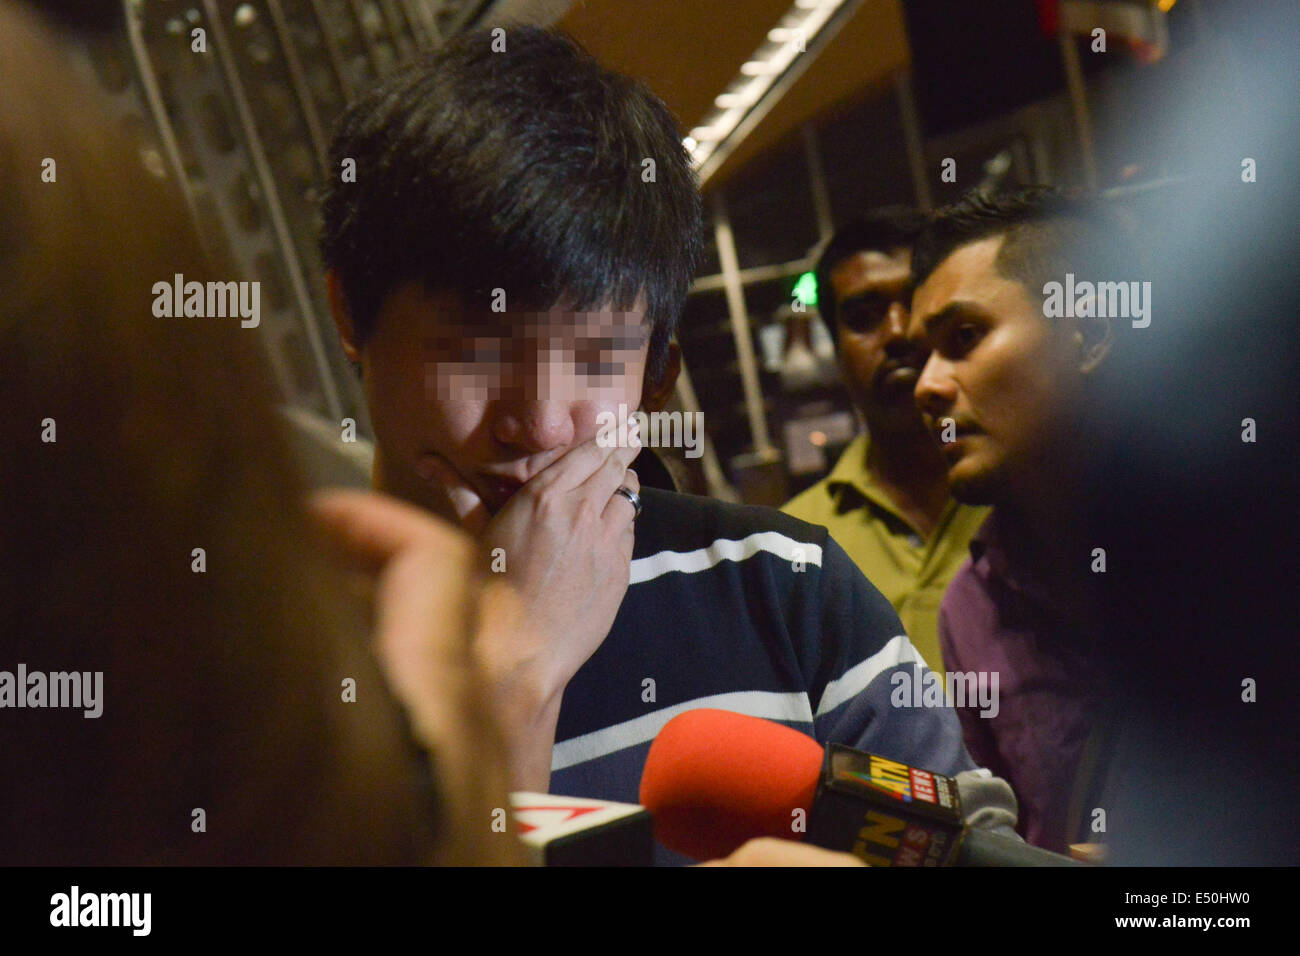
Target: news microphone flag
<point>575,831</point>
<point>885,812</point>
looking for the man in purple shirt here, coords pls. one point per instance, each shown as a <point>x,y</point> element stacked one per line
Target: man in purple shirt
<point>998,617</point>
<point>1010,364</point>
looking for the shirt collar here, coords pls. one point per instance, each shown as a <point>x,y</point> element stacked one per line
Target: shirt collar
<point>849,477</point>
<point>987,545</point>
<point>984,541</point>
<point>851,469</point>
<point>849,485</point>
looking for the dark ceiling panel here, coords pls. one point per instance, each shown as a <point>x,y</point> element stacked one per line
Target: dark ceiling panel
<point>688,51</point>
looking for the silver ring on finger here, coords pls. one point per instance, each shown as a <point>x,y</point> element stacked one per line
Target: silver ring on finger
<point>631,496</point>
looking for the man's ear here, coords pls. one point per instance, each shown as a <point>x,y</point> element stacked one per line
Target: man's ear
<point>655,395</point>
<point>342,316</point>
<point>1094,337</point>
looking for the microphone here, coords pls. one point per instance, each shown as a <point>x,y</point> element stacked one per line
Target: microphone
<point>714,780</point>
<point>576,831</point>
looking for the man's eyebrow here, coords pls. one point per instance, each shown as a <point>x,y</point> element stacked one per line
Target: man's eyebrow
<point>953,310</point>
<point>616,337</point>
<point>876,295</point>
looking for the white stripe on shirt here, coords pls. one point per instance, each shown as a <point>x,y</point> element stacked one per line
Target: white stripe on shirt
<point>724,549</point>
<point>793,706</point>
<point>852,682</point>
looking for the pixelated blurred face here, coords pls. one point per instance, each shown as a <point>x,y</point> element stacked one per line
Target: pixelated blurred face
<point>998,370</point>
<point>873,292</point>
<point>498,396</point>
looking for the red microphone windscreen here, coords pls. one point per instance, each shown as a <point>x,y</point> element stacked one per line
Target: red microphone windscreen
<point>714,779</point>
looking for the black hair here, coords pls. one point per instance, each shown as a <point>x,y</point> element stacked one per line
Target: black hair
<point>523,169</point>
<point>882,230</point>
<point>1048,233</point>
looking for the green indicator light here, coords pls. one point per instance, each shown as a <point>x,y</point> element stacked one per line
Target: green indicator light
<point>805,289</point>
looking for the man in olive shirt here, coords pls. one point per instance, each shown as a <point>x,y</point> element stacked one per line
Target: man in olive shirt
<point>886,501</point>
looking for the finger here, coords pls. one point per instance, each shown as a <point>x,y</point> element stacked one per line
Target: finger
<point>618,505</point>
<point>423,628</point>
<point>628,543</point>
<point>466,506</point>
<point>606,479</point>
<point>629,454</point>
<point>423,609</point>
<point>576,465</point>
<point>370,528</point>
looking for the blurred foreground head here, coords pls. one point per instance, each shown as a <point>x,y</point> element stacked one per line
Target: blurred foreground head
<point>1191,483</point>
<point>130,442</point>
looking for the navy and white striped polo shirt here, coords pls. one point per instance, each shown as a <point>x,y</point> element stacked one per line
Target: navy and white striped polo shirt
<point>718,614</point>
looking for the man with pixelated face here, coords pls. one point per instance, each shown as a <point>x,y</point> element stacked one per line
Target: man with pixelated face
<point>507,267</point>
